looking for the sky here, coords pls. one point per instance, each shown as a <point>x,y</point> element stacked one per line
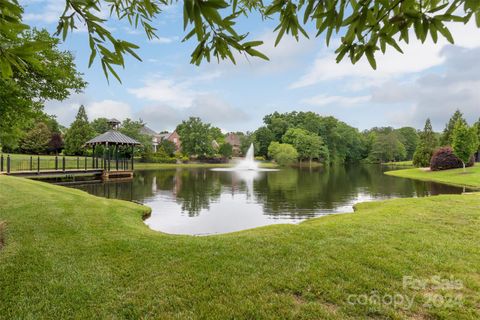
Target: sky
<point>428,80</point>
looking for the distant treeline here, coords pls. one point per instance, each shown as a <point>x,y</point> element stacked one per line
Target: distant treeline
<point>284,137</point>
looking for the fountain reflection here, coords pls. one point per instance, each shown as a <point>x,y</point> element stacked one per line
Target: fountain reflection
<point>201,201</point>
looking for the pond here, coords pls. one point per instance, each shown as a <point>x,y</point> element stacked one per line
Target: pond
<point>202,201</point>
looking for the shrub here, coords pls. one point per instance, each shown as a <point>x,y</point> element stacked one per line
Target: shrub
<point>225,150</point>
<point>157,157</point>
<point>444,158</point>
<point>283,153</point>
<point>422,156</point>
<point>36,141</point>
<point>214,159</point>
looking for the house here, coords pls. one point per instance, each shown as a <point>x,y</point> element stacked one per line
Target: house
<point>234,140</point>
<point>175,138</point>
<point>157,138</point>
<point>151,133</point>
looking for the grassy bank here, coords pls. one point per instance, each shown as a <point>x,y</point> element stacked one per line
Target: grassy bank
<point>144,166</point>
<point>67,254</point>
<point>470,178</point>
<point>399,163</point>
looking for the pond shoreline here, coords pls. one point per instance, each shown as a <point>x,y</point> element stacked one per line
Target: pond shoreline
<point>453,177</point>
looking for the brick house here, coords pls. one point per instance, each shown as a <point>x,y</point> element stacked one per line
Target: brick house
<point>234,140</point>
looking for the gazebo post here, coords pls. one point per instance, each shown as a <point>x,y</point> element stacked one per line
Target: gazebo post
<point>116,157</point>
<point>104,158</point>
<point>108,157</point>
<point>132,155</point>
<point>93,156</point>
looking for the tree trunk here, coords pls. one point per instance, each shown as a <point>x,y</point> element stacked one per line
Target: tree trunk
<point>463,166</point>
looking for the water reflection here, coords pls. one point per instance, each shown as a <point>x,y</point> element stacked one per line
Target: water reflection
<point>201,201</point>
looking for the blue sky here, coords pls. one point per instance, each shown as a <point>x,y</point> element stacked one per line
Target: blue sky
<point>427,81</point>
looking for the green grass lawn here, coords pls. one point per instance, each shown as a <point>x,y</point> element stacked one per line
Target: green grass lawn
<point>453,177</point>
<point>399,163</point>
<point>67,254</point>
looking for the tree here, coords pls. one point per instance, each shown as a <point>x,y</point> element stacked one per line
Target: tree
<point>283,153</point>
<point>344,143</point>
<point>477,126</point>
<point>24,92</point>
<point>133,129</point>
<point>387,147</point>
<point>168,147</point>
<point>464,141</point>
<point>56,143</point>
<point>79,132</point>
<point>196,137</point>
<point>409,137</point>
<point>366,27</point>
<point>447,136</point>
<point>217,135</point>
<point>348,144</point>
<point>226,150</point>
<point>100,125</point>
<point>263,137</point>
<point>308,145</point>
<point>426,146</point>
<point>36,141</point>
<point>16,55</point>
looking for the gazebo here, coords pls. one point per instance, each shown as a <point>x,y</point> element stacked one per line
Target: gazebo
<point>116,139</point>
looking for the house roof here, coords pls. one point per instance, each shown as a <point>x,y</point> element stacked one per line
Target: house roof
<point>163,135</point>
<point>146,130</point>
<point>112,137</point>
<point>113,120</point>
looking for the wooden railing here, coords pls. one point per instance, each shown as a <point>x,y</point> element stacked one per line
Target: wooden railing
<point>25,163</point>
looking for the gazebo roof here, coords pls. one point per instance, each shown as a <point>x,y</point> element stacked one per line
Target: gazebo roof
<point>112,137</point>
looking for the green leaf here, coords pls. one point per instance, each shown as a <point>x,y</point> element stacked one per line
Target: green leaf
<point>443,30</point>
<point>371,58</point>
<point>256,53</point>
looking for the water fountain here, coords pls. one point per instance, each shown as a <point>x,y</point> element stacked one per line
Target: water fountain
<point>249,162</point>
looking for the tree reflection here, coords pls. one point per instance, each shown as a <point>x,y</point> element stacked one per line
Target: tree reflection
<point>298,193</point>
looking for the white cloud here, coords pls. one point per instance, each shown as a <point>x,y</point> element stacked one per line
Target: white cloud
<point>436,94</point>
<point>176,100</point>
<point>287,55</point>
<point>338,101</point>
<point>164,40</point>
<point>178,93</point>
<point>66,111</point>
<point>417,57</point>
<point>166,91</point>
<point>52,10</point>
<point>209,107</point>
<point>108,109</point>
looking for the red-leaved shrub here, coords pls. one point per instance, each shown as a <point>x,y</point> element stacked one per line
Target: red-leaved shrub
<point>444,158</point>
